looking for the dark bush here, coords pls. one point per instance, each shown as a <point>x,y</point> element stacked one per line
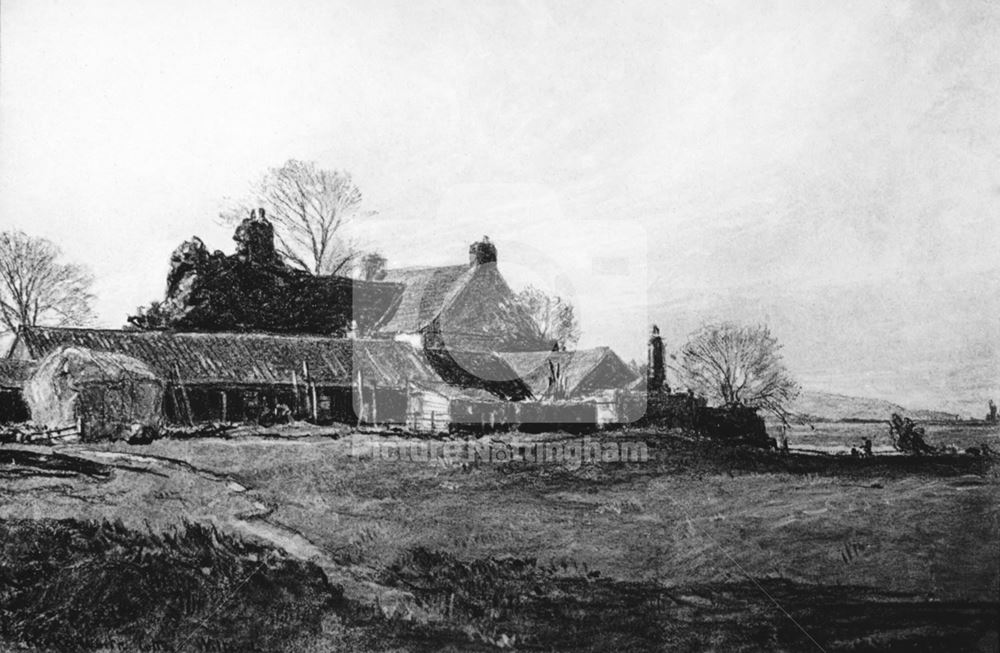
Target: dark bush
<point>78,586</point>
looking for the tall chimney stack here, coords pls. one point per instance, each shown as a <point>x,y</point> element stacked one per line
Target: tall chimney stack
<point>655,375</point>
<point>255,240</point>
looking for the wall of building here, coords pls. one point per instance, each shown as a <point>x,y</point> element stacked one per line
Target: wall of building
<point>428,412</point>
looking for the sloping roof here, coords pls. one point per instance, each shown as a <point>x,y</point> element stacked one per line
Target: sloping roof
<point>581,371</point>
<point>526,362</point>
<point>244,358</point>
<point>266,359</point>
<point>14,373</point>
<point>426,292</point>
<point>463,307</point>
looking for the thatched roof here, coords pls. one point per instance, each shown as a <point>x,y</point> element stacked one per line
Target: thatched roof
<point>581,372</point>
<point>103,394</point>
<point>88,366</point>
<point>243,358</point>
<point>265,359</point>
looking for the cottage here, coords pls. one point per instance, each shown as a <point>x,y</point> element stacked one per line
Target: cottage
<point>458,307</point>
<point>241,337</point>
<point>465,307</point>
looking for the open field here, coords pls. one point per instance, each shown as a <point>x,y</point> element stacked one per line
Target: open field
<point>698,548</point>
<point>841,436</point>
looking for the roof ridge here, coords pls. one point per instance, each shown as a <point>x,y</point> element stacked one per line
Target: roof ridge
<point>212,334</point>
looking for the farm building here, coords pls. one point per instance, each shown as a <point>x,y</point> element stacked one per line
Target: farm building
<point>466,307</point>
<point>458,307</point>
<point>13,375</point>
<point>101,395</point>
<point>570,374</point>
<point>415,346</point>
<point>597,376</point>
<point>232,377</point>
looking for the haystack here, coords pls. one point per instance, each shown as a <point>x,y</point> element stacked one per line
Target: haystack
<point>104,395</point>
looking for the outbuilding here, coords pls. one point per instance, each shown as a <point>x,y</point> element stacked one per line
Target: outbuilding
<point>102,395</point>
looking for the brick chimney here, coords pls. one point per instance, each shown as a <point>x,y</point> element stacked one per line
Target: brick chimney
<point>373,267</point>
<point>482,252</point>
<point>255,240</point>
<point>655,375</point>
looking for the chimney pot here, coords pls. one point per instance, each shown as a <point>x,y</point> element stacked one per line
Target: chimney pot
<point>373,267</point>
<point>482,252</point>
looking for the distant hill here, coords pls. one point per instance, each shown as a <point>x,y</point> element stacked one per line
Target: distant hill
<point>827,406</point>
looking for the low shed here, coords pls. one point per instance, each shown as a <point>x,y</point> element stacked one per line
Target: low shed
<point>103,395</point>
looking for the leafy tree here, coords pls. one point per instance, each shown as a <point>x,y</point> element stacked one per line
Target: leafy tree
<point>555,317</point>
<point>309,208</point>
<point>736,365</point>
<point>36,288</point>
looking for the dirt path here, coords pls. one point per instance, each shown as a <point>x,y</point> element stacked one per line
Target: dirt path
<point>257,523</point>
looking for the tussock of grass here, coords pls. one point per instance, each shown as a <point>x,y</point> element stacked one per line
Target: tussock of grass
<point>76,586</point>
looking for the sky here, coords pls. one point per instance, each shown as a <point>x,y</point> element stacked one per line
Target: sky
<point>828,168</point>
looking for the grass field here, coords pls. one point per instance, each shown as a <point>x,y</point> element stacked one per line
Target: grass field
<point>698,548</point>
<point>841,436</point>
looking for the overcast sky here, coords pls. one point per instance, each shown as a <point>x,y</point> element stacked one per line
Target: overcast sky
<point>829,168</point>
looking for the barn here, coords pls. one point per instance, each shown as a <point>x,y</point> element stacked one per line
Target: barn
<point>238,377</point>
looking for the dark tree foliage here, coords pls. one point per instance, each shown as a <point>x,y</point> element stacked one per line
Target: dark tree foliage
<point>254,290</point>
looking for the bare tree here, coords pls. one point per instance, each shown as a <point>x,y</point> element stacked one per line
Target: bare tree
<point>555,317</point>
<point>309,208</point>
<point>36,288</point>
<point>639,369</point>
<point>737,365</point>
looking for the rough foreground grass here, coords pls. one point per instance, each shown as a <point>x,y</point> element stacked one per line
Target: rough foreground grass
<point>699,548</point>
<point>74,585</point>
<point>515,602</point>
